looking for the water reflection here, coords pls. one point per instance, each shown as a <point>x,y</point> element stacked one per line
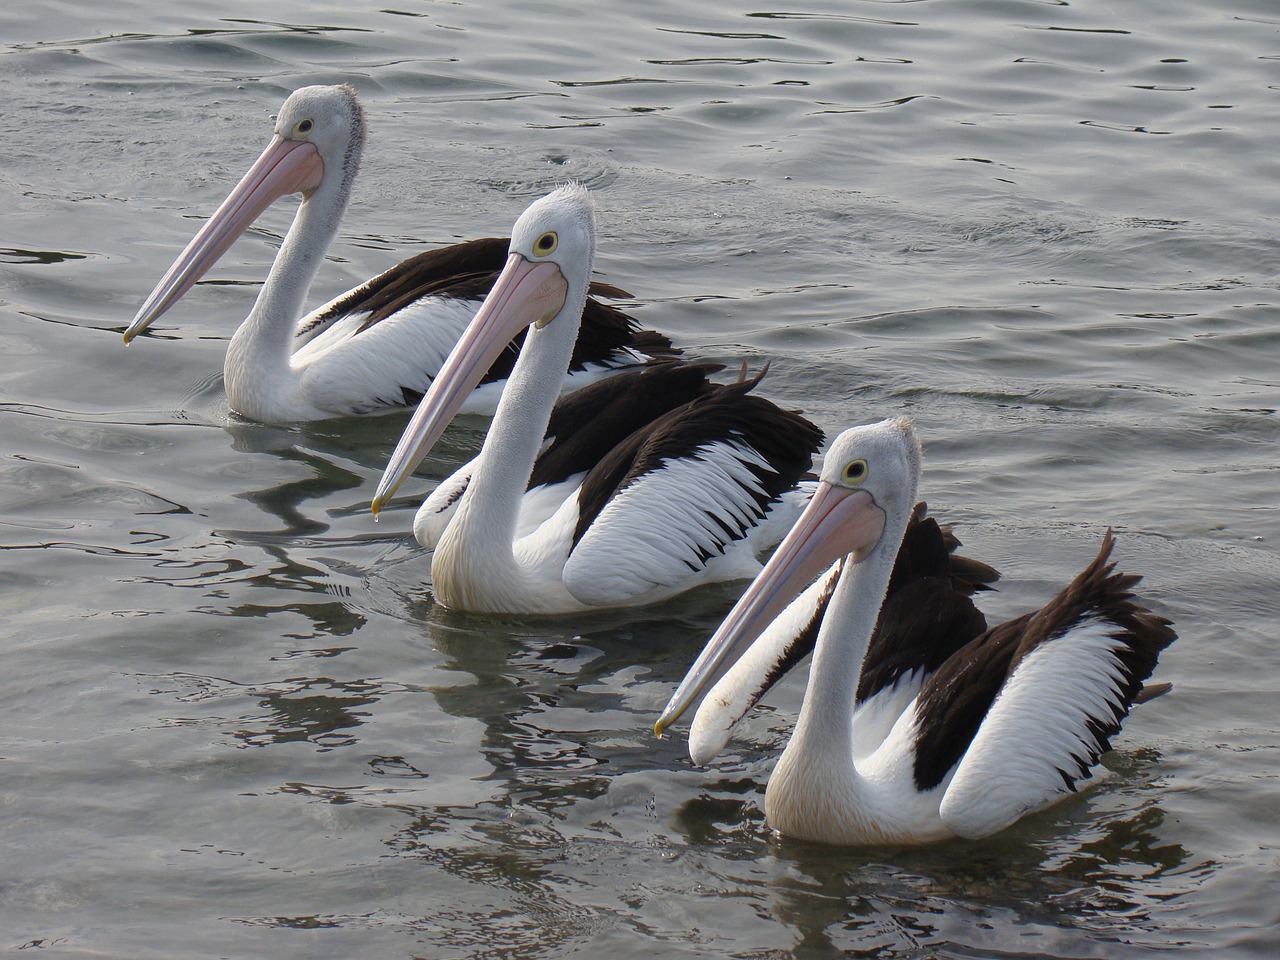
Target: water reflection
<point>1108,882</point>
<point>328,619</point>
<point>730,813</point>
<point>555,702</point>
<point>285,500</point>
<point>321,711</point>
<point>560,715</point>
<point>324,712</point>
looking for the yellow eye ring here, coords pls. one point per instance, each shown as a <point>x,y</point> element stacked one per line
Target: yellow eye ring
<point>302,129</point>
<point>855,471</point>
<point>546,244</point>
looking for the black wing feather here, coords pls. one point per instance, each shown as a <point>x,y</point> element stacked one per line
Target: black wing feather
<point>467,271</point>
<point>926,615</point>
<point>783,438</point>
<point>589,422</point>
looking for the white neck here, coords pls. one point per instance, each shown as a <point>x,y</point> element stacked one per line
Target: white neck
<point>816,789</point>
<point>257,369</point>
<point>475,558</point>
<point>823,725</point>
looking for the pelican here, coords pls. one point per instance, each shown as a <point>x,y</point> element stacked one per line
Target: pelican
<point>1009,721</point>
<point>584,426</point>
<point>376,347</point>
<point>688,498</point>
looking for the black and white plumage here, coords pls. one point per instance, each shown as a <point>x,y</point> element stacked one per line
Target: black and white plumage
<point>584,427</point>
<point>376,347</point>
<point>927,615</point>
<point>1003,723</point>
<point>688,497</point>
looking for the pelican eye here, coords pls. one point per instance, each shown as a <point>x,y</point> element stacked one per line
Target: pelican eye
<point>855,471</point>
<point>302,129</point>
<point>546,244</point>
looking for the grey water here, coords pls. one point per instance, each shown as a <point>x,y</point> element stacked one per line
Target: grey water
<point>232,722</point>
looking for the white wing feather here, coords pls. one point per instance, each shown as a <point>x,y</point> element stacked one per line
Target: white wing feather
<point>536,506</point>
<point>441,504</point>
<point>348,372</point>
<point>1037,726</point>
<point>663,528</point>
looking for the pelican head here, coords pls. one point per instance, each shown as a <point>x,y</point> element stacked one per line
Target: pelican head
<point>559,228</point>
<point>882,460</point>
<point>543,286</point>
<point>329,118</point>
<point>867,486</point>
<point>317,142</point>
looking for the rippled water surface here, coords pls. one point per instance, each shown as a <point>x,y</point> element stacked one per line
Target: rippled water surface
<point>234,724</point>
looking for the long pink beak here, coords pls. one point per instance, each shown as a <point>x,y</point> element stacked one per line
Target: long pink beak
<point>838,522</point>
<point>525,293</point>
<point>285,167</point>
